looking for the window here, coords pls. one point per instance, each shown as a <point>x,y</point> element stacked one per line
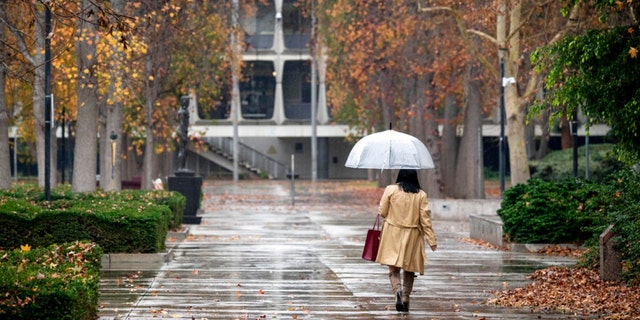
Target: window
<point>296,25</point>
<point>257,90</point>
<point>259,27</point>
<point>296,89</point>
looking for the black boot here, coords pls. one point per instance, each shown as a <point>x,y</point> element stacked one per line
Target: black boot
<point>400,306</point>
<point>407,286</point>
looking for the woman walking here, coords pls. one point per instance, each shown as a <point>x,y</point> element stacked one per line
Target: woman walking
<point>407,223</point>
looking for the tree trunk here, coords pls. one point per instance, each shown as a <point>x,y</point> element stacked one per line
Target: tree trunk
<point>519,163</point>
<point>37,61</point>
<point>514,104</point>
<point>38,99</point>
<point>151,94</point>
<point>113,117</point>
<point>432,179</point>
<point>5,150</point>
<point>543,148</point>
<point>449,145</point>
<point>85,159</point>
<point>149,155</point>
<point>386,176</point>
<point>566,140</point>
<point>469,181</point>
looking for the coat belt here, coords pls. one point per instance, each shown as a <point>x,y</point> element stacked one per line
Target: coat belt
<point>393,223</point>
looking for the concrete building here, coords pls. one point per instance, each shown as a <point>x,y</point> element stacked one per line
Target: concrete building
<point>275,118</point>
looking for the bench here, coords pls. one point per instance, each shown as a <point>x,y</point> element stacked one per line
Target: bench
<point>134,183</point>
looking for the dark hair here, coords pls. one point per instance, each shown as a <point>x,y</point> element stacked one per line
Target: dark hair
<point>408,180</point>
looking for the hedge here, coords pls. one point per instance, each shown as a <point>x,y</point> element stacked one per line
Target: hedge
<point>58,282</point>
<point>127,222</point>
<point>578,211</point>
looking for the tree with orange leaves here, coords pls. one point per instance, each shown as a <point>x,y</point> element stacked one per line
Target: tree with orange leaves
<point>512,31</point>
<point>410,72</point>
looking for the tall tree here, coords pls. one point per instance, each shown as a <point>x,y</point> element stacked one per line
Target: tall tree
<point>168,67</point>
<point>32,53</point>
<point>597,70</point>
<point>5,160</point>
<point>520,27</point>
<point>86,147</point>
<point>112,114</point>
<point>414,81</point>
<point>159,18</point>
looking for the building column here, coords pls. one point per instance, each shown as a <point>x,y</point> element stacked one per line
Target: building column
<point>323,111</point>
<point>278,106</point>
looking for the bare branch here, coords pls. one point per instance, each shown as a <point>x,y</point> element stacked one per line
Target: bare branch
<point>22,46</point>
<point>483,35</point>
<point>572,24</point>
<point>466,35</point>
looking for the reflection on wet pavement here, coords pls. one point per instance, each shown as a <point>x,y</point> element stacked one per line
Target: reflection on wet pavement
<point>254,256</point>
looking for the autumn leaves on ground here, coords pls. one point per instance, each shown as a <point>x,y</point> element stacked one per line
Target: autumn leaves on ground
<point>577,291</point>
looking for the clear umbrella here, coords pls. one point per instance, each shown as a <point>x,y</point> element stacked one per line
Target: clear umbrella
<point>390,150</point>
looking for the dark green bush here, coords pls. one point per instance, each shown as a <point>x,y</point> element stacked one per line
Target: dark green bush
<point>172,199</point>
<point>550,212</point>
<point>59,282</point>
<point>116,225</point>
<point>35,195</point>
<point>128,221</point>
<point>576,211</point>
<point>625,216</point>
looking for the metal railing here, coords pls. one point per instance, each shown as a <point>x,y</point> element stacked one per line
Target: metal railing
<point>249,157</point>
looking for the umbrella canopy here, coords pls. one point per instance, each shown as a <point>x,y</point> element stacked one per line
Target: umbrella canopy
<point>390,150</point>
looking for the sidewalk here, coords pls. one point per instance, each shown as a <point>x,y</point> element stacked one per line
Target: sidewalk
<point>256,256</point>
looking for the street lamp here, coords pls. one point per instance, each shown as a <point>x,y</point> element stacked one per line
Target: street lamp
<point>48,102</point>
<point>573,125</point>
<point>114,143</point>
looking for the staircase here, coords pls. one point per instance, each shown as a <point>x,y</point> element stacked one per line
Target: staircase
<point>251,162</point>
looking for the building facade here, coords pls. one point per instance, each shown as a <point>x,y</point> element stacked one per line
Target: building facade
<point>276,93</point>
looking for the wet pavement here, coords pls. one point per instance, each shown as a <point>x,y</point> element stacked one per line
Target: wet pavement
<point>257,256</point>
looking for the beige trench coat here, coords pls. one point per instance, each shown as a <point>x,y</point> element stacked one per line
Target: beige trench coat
<point>407,223</point>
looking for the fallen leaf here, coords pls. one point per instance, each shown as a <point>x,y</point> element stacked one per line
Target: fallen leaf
<point>575,290</point>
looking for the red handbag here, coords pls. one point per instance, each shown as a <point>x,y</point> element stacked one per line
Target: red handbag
<point>372,242</point>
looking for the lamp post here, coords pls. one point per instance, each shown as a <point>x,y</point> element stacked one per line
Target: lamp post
<point>501,156</point>
<point>573,124</point>
<point>48,102</point>
<point>114,143</point>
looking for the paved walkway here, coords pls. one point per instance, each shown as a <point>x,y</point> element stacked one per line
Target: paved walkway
<point>256,256</point>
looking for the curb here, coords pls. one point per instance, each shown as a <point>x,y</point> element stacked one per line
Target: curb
<point>143,261</point>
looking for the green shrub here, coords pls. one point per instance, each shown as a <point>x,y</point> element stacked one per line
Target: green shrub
<point>625,216</point>
<point>57,282</point>
<point>116,225</point>
<point>578,211</point>
<point>172,199</point>
<point>31,193</point>
<point>175,201</point>
<point>126,221</point>
<point>550,212</point>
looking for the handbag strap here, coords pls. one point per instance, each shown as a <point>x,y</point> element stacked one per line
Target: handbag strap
<point>376,223</point>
